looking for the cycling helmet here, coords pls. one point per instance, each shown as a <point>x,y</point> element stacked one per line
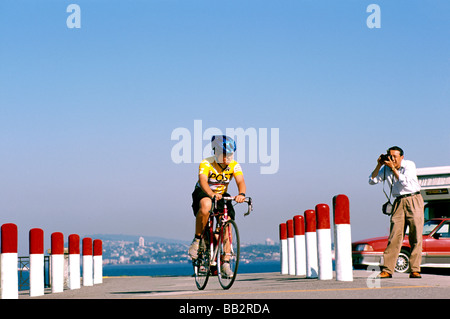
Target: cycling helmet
<point>222,144</point>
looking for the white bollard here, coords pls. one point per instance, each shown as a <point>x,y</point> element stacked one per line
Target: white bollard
<point>74,261</point>
<point>291,246</point>
<point>98,262</point>
<point>87,262</point>
<point>311,244</point>
<point>9,259</point>
<point>342,238</point>
<point>300,248</point>
<point>325,257</point>
<point>57,262</point>
<point>36,248</point>
<point>284,249</point>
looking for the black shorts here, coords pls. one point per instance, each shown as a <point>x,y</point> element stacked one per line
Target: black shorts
<point>198,194</point>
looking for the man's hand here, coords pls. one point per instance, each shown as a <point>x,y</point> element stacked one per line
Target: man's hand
<point>389,163</point>
<point>239,198</point>
<point>218,196</point>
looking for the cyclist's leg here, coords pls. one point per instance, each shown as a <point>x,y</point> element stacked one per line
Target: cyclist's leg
<point>201,206</point>
<point>201,219</point>
<point>226,244</point>
<point>227,252</point>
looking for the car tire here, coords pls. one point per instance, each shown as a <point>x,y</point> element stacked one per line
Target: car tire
<point>403,264</point>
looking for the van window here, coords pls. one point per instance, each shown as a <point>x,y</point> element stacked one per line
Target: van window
<point>437,209</point>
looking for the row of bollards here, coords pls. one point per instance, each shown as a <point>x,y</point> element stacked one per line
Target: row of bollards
<point>92,262</point>
<point>306,246</point>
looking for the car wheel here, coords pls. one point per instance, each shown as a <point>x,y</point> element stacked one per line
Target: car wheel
<point>403,264</point>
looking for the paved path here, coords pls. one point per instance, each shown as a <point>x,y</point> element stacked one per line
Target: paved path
<point>261,295</point>
<point>262,286</point>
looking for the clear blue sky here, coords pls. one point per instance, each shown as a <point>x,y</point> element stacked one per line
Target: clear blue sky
<point>86,115</point>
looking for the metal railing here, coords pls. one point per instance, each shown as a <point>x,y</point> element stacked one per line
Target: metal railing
<point>23,266</point>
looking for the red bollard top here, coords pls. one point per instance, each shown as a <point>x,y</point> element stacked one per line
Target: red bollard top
<point>299,225</point>
<point>323,216</point>
<point>36,238</point>
<point>341,206</point>
<point>98,251</point>
<point>290,228</point>
<point>283,231</point>
<point>87,246</point>
<point>9,238</point>
<point>57,243</point>
<point>74,244</point>
<point>310,221</point>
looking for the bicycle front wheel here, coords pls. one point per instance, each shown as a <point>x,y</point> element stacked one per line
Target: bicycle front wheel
<point>228,259</point>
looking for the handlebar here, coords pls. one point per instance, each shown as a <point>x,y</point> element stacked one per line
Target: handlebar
<point>247,200</point>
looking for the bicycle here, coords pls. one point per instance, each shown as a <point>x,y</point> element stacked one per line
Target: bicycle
<point>218,246</point>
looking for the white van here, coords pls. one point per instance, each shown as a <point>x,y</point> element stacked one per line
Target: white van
<point>435,190</point>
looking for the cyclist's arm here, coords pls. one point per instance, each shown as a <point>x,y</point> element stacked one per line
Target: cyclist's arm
<point>203,182</point>
<point>240,182</point>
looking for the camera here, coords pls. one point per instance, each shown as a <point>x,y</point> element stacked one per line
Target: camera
<point>385,157</point>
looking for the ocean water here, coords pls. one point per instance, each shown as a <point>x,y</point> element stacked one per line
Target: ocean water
<point>182,269</point>
<point>178,269</point>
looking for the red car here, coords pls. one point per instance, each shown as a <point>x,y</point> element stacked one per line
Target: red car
<point>435,248</point>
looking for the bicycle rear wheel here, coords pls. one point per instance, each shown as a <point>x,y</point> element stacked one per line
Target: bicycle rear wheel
<point>228,259</point>
<point>202,263</point>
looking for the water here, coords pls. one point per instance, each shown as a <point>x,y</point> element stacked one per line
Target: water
<point>182,269</point>
<point>179,269</point>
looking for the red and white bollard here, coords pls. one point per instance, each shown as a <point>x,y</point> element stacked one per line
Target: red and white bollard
<point>300,249</point>
<point>36,240</point>
<point>9,259</point>
<point>74,261</point>
<point>87,262</point>
<point>284,249</point>
<point>57,262</point>
<point>98,262</point>
<point>311,244</point>
<point>325,257</point>
<point>291,246</point>
<point>342,238</point>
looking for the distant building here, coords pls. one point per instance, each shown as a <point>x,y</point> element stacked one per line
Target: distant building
<point>269,242</point>
<point>141,242</point>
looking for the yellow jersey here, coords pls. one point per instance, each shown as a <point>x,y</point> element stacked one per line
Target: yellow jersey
<point>218,181</point>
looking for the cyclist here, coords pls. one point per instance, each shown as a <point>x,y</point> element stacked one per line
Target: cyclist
<point>215,173</point>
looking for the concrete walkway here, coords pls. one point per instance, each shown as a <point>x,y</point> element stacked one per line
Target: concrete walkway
<point>262,286</point>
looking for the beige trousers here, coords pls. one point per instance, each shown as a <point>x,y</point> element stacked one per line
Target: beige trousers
<point>408,211</point>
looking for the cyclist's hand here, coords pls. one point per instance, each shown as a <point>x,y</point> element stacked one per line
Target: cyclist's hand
<point>218,196</point>
<point>239,198</point>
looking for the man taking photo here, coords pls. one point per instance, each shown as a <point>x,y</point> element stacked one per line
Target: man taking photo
<point>400,174</point>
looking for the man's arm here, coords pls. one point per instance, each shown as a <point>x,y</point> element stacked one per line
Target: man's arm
<point>240,182</point>
<point>373,177</point>
<point>376,170</point>
<point>203,182</point>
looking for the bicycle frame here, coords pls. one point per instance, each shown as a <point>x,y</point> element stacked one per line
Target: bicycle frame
<point>221,240</point>
<point>223,218</point>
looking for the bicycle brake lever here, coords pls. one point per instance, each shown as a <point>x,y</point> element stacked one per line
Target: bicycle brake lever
<point>250,207</point>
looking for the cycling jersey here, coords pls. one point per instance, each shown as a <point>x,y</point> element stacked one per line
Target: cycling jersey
<point>218,180</point>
